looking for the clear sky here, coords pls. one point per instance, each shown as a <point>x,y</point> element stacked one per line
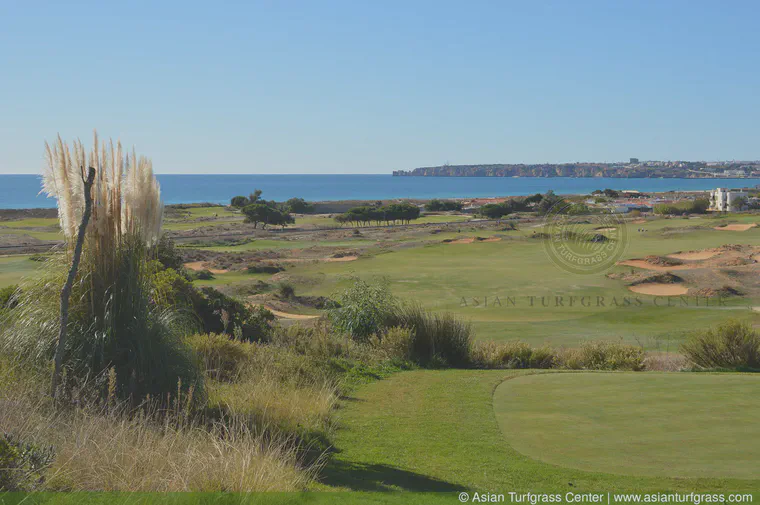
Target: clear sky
<point>371,86</point>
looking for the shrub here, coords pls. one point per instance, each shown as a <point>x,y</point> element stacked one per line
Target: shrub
<point>222,358</point>
<point>732,344</point>
<point>396,342</point>
<point>265,268</point>
<point>514,354</point>
<point>168,255</point>
<point>603,355</point>
<point>22,464</point>
<point>363,309</point>
<point>8,297</point>
<point>286,290</point>
<point>436,338</point>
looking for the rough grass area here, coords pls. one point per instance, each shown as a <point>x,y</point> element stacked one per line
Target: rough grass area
<point>436,431</point>
<point>654,424</point>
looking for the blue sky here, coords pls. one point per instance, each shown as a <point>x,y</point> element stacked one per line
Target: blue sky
<point>369,87</point>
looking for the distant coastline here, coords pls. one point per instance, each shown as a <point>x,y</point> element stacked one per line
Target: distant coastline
<point>21,191</point>
<point>634,169</point>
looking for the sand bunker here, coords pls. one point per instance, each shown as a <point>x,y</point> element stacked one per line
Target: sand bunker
<point>639,221</point>
<point>462,241</point>
<point>201,265</point>
<point>342,258</point>
<point>606,229</point>
<point>491,239</point>
<point>648,266</point>
<point>659,289</point>
<point>694,255</point>
<point>736,227</point>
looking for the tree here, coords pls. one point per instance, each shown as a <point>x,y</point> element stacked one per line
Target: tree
<point>264,213</point>
<point>298,206</point>
<point>436,205</point>
<point>255,196</point>
<point>239,202</point>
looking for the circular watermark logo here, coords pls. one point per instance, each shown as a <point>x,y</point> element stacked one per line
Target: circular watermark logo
<point>583,244</point>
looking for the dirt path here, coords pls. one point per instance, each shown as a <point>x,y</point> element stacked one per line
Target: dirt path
<point>288,315</point>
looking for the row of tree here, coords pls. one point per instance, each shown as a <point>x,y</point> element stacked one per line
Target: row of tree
<point>436,205</point>
<point>534,203</point>
<point>294,205</point>
<point>388,214</point>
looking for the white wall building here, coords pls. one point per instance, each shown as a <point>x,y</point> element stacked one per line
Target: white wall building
<point>727,200</point>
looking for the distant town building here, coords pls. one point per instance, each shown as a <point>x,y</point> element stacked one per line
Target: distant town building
<point>634,160</point>
<point>728,200</point>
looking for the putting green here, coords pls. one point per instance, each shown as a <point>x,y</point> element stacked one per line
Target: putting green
<point>645,424</point>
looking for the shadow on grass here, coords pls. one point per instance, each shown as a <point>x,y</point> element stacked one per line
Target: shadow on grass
<point>364,477</point>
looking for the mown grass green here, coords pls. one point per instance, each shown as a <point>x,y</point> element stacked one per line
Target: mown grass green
<point>651,424</point>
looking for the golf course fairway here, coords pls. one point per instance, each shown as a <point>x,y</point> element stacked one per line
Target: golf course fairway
<point>654,424</point>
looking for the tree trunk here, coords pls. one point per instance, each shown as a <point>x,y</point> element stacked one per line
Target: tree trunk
<point>66,291</point>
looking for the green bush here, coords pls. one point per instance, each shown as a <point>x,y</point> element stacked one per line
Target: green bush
<point>437,339</point>
<point>602,355</point>
<point>8,297</point>
<point>733,344</point>
<point>285,290</point>
<point>363,309</point>
<point>222,358</point>
<point>395,342</point>
<point>513,354</point>
<point>22,465</point>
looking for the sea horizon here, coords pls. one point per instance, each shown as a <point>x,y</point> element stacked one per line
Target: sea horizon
<point>21,191</point>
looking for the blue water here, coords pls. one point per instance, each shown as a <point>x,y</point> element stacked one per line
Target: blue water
<point>21,191</point>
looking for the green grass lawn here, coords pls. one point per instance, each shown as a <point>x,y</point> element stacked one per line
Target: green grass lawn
<point>653,424</point>
<point>431,430</point>
<point>14,268</point>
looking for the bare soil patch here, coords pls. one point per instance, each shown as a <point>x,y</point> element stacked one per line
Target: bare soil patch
<point>736,227</point>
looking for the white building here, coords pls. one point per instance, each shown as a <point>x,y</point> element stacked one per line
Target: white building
<point>728,200</point>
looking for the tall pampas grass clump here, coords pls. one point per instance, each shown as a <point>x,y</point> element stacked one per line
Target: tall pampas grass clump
<point>114,326</point>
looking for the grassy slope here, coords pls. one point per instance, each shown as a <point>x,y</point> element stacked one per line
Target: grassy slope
<point>679,425</point>
<point>436,431</point>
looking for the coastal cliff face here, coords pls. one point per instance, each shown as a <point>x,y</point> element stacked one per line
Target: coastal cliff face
<point>631,170</point>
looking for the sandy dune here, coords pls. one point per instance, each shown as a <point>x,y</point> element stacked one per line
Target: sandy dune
<point>658,289</point>
<point>201,265</point>
<point>736,227</point>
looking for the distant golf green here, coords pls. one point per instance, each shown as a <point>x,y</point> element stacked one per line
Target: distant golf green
<point>655,424</point>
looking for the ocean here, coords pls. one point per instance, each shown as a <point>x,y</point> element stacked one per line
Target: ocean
<point>21,191</point>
